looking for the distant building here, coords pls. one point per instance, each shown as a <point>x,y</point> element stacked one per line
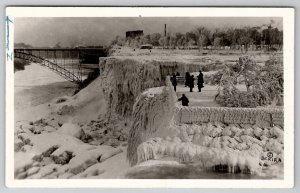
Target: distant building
<point>133,34</point>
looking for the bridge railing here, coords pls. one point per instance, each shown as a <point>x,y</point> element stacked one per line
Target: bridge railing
<point>65,70</point>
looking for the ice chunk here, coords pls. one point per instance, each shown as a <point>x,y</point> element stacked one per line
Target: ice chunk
<point>71,129</point>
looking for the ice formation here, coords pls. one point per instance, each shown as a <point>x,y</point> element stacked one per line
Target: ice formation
<point>234,139</point>
<point>151,114</point>
<point>243,152</point>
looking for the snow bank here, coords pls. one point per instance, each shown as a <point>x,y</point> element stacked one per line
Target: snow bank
<point>56,155</point>
<point>114,167</point>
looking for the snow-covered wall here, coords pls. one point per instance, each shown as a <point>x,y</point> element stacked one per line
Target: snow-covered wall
<point>255,116</point>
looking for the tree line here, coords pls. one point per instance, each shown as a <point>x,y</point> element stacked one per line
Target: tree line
<point>256,38</point>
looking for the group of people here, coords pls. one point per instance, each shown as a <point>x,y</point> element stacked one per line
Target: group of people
<point>189,82</point>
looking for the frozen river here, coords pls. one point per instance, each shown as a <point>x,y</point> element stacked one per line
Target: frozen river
<point>38,85</point>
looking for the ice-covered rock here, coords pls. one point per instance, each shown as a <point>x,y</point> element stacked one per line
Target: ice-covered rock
<point>45,171</point>
<point>266,133</point>
<point>274,146</point>
<point>71,129</point>
<point>49,129</point>
<point>55,153</point>
<point>212,131</point>
<point>276,132</point>
<point>202,140</point>
<point>32,171</point>
<point>215,142</point>
<point>227,132</point>
<point>257,132</point>
<point>248,131</point>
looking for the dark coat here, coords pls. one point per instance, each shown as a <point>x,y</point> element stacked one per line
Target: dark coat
<point>187,79</point>
<point>191,82</point>
<point>200,80</point>
<point>184,101</point>
<point>174,80</point>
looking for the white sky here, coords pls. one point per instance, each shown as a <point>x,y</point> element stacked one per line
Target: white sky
<point>100,31</point>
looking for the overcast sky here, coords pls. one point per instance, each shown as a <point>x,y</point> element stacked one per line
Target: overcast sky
<point>100,31</point>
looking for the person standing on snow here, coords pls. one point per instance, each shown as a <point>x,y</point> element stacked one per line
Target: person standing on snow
<point>184,100</point>
<point>187,79</point>
<point>191,83</point>
<point>174,81</point>
<point>200,81</point>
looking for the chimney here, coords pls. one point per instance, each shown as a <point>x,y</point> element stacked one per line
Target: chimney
<point>165,30</point>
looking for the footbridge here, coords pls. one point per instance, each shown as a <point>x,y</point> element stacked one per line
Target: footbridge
<point>70,63</point>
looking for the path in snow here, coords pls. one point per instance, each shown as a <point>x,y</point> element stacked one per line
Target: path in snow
<point>205,98</point>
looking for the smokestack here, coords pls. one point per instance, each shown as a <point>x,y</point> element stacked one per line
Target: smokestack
<point>165,30</point>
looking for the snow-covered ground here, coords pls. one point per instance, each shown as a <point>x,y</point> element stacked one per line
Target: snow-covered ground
<point>51,145</point>
<point>185,55</point>
<point>205,98</point>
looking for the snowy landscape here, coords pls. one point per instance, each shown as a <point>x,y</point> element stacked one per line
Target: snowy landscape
<point>126,122</point>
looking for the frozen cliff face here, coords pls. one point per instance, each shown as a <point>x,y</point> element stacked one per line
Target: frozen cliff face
<point>152,116</point>
<point>124,80</point>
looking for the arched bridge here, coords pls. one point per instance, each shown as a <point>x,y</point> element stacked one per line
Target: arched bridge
<point>71,64</point>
